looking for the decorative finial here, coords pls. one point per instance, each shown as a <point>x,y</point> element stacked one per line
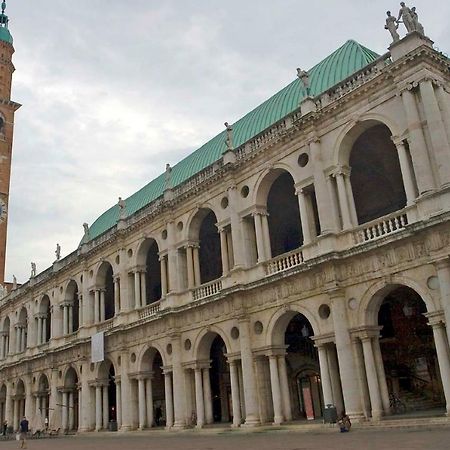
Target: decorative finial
<point>3,6</point>
<point>3,17</point>
<point>229,138</point>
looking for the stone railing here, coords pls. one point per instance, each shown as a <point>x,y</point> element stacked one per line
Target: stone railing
<point>284,262</point>
<point>381,227</point>
<point>150,310</point>
<point>207,289</point>
<point>105,326</point>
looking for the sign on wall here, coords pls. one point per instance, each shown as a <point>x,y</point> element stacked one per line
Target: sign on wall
<point>98,347</point>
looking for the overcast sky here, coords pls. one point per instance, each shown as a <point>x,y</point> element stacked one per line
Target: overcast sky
<point>113,90</point>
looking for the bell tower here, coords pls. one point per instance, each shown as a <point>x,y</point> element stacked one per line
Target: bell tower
<point>7,110</point>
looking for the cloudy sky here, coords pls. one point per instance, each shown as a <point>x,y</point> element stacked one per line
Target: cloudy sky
<point>113,90</point>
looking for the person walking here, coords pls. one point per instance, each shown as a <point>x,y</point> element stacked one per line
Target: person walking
<point>23,430</point>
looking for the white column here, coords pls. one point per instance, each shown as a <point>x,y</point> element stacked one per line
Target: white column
<point>169,399</point>
<point>98,407</point>
<point>137,289</point>
<point>179,399</point>
<point>325,376</point>
<point>116,295</point>
<point>80,310</point>
<point>276,391</point>
<point>351,199</point>
<point>17,331</point>
<point>163,265</point>
<point>2,347</point>
<point>45,338</point>
<point>141,401</point>
<point>259,238</point>
<point>65,410</point>
<point>119,404</point>
<point>407,175</point>
<point>97,305</point>
<point>71,411</point>
<point>362,378</point>
<point>417,144</point>
<point>224,251</point>
<point>70,318</point>
<point>248,375</point>
<point>197,276</point>
<point>39,331</point>
<point>102,305</point>
<point>347,369</point>
<point>287,409</point>
<point>438,136</point>
<point>443,273</point>
<point>207,397</point>
<point>200,406</point>
<point>105,407</point>
<point>236,228</point>
<point>144,288</point>
<point>235,397</point>
<point>190,266</point>
<point>304,218</point>
<point>343,201</point>
<point>149,395</point>
<point>444,100</point>
<point>381,375</point>
<point>266,234</point>
<point>443,360</point>
<point>334,202</point>
<point>372,379</point>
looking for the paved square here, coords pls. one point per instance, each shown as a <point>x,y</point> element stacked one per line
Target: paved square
<point>435,439</point>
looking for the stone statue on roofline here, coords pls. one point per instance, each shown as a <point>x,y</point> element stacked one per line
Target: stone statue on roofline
<point>417,25</point>
<point>168,177</point>
<point>58,252</point>
<point>33,270</point>
<point>86,230</point>
<point>392,26</point>
<point>14,284</point>
<point>122,209</point>
<point>406,14</point>
<point>303,75</point>
<point>229,138</point>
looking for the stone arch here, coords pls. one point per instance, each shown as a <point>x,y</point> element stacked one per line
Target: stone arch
<point>103,368</point>
<point>205,339</point>
<point>104,280</point>
<point>374,295</point>
<point>195,219</point>
<point>44,321</point>
<point>43,382</point>
<point>71,377</point>
<point>6,324</point>
<point>266,179</point>
<point>71,296</point>
<point>352,130</point>
<point>277,324</point>
<point>147,356</point>
<point>147,257</point>
<point>3,393</point>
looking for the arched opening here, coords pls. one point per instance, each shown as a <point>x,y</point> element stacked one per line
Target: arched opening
<point>148,256</point>
<point>73,305</point>
<point>19,404</point>
<point>70,401</point>
<point>408,350</point>
<point>22,331</point>
<point>2,405</point>
<point>105,281</point>
<point>108,405</point>
<point>210,252</point>
<point>43,321</point>
<point>4,350</point>
<point>42,403</point>
<point>284,217</point>
<point>376,177</point>
<point>303,369</point>
<point>154,390</point>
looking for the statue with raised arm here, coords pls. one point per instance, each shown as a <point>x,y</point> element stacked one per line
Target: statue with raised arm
<point>168,177</point>
<point>406,15</point>
<point>58,252</point>
<point>122,209</point>
<point>392,26</point>
<point>418,26</point>
<point>229,138</point>
<point>303,75</point>
<point>33,270</point>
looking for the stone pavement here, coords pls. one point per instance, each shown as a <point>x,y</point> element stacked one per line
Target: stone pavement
<point>433,439</point>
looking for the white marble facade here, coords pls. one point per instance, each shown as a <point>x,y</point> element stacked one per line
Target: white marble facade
<point>195,352</point>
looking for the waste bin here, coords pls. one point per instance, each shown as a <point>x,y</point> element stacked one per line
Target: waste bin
<point>330,414</point>
<point>112,425</point>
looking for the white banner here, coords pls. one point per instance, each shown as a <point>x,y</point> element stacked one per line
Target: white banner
<point>98,347</point>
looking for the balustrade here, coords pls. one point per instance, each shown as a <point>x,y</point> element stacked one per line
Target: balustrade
<point>207,289</point>
<point>284,262</point>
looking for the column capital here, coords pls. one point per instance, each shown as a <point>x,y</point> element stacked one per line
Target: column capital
<point>398,140</point>
<point>435,318</point>
<point>443,263</point>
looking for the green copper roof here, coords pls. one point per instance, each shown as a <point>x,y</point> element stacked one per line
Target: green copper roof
<point>5,35</point>
<point>342,63</point>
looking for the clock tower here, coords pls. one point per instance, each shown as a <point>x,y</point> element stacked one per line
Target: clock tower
<point>7,110</point>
